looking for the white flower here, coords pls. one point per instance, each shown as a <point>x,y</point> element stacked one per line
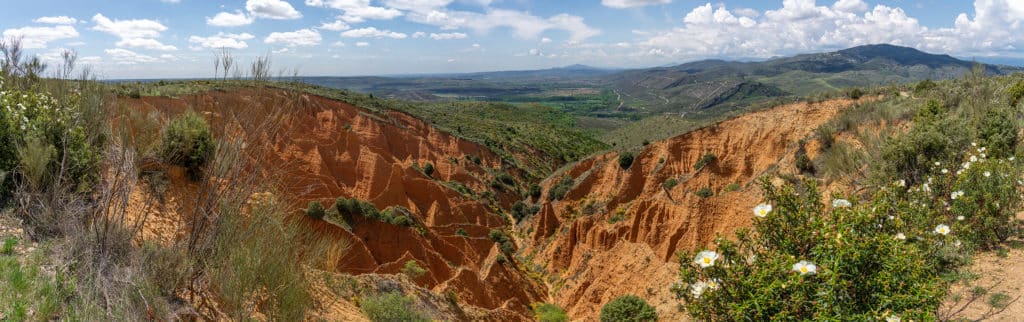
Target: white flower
<point>974,158</point>
<point>974,144</point>
<point>956,194</point>
<point>926,188</point>
<point>957,243</point>
<point>945,171</point>
<point>893,318</point>
<point>966,165</point>
<point>697,289</point>
<point>983,155</point>
<point>901,236</point>
<point>982,149</point>
<point>901,183</point>
<point>706,258</point>
<point>762,210</point>
<point>937,163</point>
<point>942,229</point>
<point>841,203</point>
<point>891,217</point>
<point>805,268</point>
<point>987,174</point>
<point>960,218</point>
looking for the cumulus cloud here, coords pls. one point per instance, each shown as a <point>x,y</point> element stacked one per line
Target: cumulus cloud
<point>220,41</point>
<point>523,25</point>
<point>301,37</point>
<point>38,37</point>
<point>128,57</point>
<point>621,4</point>
<point>57,20</point>
<point>417,5</point>
<point>447,36</point>
<point>371,32</point>
<point>337,25</point>
<point>804,25</point>
<point>227,19</point>
<point>132,28</point>
<point>362,44</point>
<point>144,43</point>
<point>356,11</point>
<point>272,9</point>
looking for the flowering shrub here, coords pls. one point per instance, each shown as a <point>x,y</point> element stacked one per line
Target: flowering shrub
<point>884,258</point>
<point>806,260</point>
<point>32,114</point>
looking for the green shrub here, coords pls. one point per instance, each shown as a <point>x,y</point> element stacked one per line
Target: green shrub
<point>506,178</point>
<point>8,247</point>
<point>1016,92</point>
<point>520,210</point>
<point>704,160</point>
<point>461,232</point>
<point>806,261</point>
<point>803,162</point>
<point>998,132</point>
<point>924,85</point>
<point>413,269</point>
<point>732,187</point>
<point>391,306</point>
<point>670,183</point>
<point>826,135</point>
<point>626,160</point>
<point>841,160</point>
<point>559,190</point>
<point>503,240</point>
<point>628,308</point>
<point>855,93</point>
<point>315,210</point>
<point>428,169</point>
<point>547,312</point>
<point>535,191</point>
<point>187,141</point>
<point>705,192</point>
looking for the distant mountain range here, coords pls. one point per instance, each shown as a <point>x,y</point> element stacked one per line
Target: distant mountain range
<point>707,86</point>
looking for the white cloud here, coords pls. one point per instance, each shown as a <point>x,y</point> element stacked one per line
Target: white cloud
<point>134,28</point>
<point>128,57</point>
<point>144,43</point>
<point>523,25</point>
<point>621,4</point>
<point>853,6</point>
<point>301,37</point>
<point>170,1</point>
<point>545,40</point>
<point>272,9</point>
<point>451,60</point>
<point>220,41</point>
<point>337,25</point>
<point>338,44</point>
<point>362,44</point>
<point>371,32</point>
<point>38,37</point>
<point>447,36</point>
<point>419,34</point>
<point>58,20</point>
<point>356,11</point>
<point>227,19</point>
<point>801,26</point>
<point>417,5</point>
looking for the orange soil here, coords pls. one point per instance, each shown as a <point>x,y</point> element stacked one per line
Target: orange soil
<point>598,261</point>
<point>327,149</point>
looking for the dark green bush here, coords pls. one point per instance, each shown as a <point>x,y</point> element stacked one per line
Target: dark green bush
<point>547,312</point>
<point>503,240</point>
<point>1016,92</point>
<point>924,85</point>
<point>628,308</point>
<point>506,178</point>
<point>389,307</point>
<point>998,132</point>
<point>315,210</point>
<point>855,93</point>
<point>704,160</point>
<point>705,192</point>
<point>670,183</point>
<point>559,190</point>
<point>461,232</point>
<point>626,160</point>
<point>187,141</point>
<point>535,191</point>
<point>428,169</point>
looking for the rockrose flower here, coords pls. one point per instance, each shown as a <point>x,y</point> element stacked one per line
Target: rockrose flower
<point>841,203</point>
<point>706,258</point>
<point>762,210</point>
<point>805,268</point>
<point>942,229</point>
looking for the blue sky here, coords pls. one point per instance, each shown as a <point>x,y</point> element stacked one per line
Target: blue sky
<point>178,38</point>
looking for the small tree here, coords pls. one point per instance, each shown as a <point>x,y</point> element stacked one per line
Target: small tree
<point>315,210</point>
<point>428,169</point>
<point>628,308</point>
<point>626,160</point>
<point>188,142</point>
<point>413,269</point>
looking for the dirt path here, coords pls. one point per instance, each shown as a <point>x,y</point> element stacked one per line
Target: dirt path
<point>998,292</point>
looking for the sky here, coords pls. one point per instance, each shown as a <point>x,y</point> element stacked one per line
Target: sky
<point>179,38</point>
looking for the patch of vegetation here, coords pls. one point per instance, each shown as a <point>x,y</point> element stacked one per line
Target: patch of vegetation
<point>428,169</point>
<point>559,190</point>
<point>626,160</point>
<point>315,210</point>
<point>503,240</point>
<point>350,208</point>
<point>670,183</point>
<point>8,246</point>
<point>461,232</point>
<point>628,308</point>
<point>705,192</point>
<point>704,160</point>
<point>547,312</point>
<point>732,186</point>
<point>413,269</point>
<point>520,210</point>
<point>391,306</point>
<point>187,142</point>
